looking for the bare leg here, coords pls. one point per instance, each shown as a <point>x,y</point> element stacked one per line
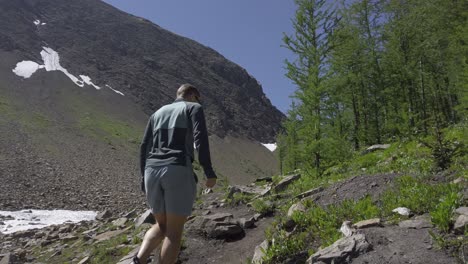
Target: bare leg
<point>153,238</point>
<point>171,246</point>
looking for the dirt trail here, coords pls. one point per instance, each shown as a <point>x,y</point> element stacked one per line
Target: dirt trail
<point>200,250</point>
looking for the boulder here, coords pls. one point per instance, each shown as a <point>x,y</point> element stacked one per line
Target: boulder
<point>367,223</point>
<point>341,250</point>
<point>260,252</point>
<point>286,181</point>
<point>219,226</point>
<point>146,217</point>
<point>297,207</point>
<point>22,234</point>
<point>223,230</point>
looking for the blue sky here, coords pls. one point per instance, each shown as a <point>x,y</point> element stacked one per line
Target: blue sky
<point>247,32</point>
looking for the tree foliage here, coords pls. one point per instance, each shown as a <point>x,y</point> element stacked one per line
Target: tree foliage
<point>370,71</point>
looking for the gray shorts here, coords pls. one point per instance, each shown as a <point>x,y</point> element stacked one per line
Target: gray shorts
<point>170,189</point>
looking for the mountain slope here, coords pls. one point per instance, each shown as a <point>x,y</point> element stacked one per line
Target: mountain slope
<point>77,83</point>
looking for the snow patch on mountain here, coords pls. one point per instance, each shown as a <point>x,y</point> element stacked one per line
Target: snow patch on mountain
<point>51,61</point>
<point>270,146</point>
<point>119,92</point>
<point>26,68</point>
<point>37,22</point>
<point>87,80</point>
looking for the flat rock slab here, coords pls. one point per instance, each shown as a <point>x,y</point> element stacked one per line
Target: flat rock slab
<point>110,234</point>
<point>395,245</point>
<point>416,223</point>
<point>219,217</point>
<point>367,223</point>
<point>250,190</point>
<point>309,192</point>
<point>85,260</point>
<point>120,222</point>
<point>342,249</point>
<point>286,181</point>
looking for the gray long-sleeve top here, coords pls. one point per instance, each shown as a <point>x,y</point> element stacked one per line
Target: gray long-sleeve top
<point>171,134</point>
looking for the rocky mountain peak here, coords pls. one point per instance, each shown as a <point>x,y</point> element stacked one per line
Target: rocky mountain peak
<point>140,59</point>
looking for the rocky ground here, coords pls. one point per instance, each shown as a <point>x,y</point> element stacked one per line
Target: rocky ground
<point>220,231</point>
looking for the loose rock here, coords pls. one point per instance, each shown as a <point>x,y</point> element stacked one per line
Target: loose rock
<point>402,211</point>
<point>260,252</point>
<point>120,221</point>
<point>462,211</point>
<point>346,229</point>
<point>297,207</point>
<point>103,215</point>
<point>461,224</point>
<point>146,217</point>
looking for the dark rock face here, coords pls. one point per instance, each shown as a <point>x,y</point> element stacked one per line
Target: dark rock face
<point>140,59</point>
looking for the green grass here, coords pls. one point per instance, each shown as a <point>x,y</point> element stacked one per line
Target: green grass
<point>262,207</point>
<point>420,197</point>
<point>32,121</point>
<point>109,251</point>
<point>108,129</point>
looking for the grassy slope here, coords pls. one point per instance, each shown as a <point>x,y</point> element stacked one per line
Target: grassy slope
<point>319,226</point>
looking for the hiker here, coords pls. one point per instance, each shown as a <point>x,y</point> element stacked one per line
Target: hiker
<point>168,180</point>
